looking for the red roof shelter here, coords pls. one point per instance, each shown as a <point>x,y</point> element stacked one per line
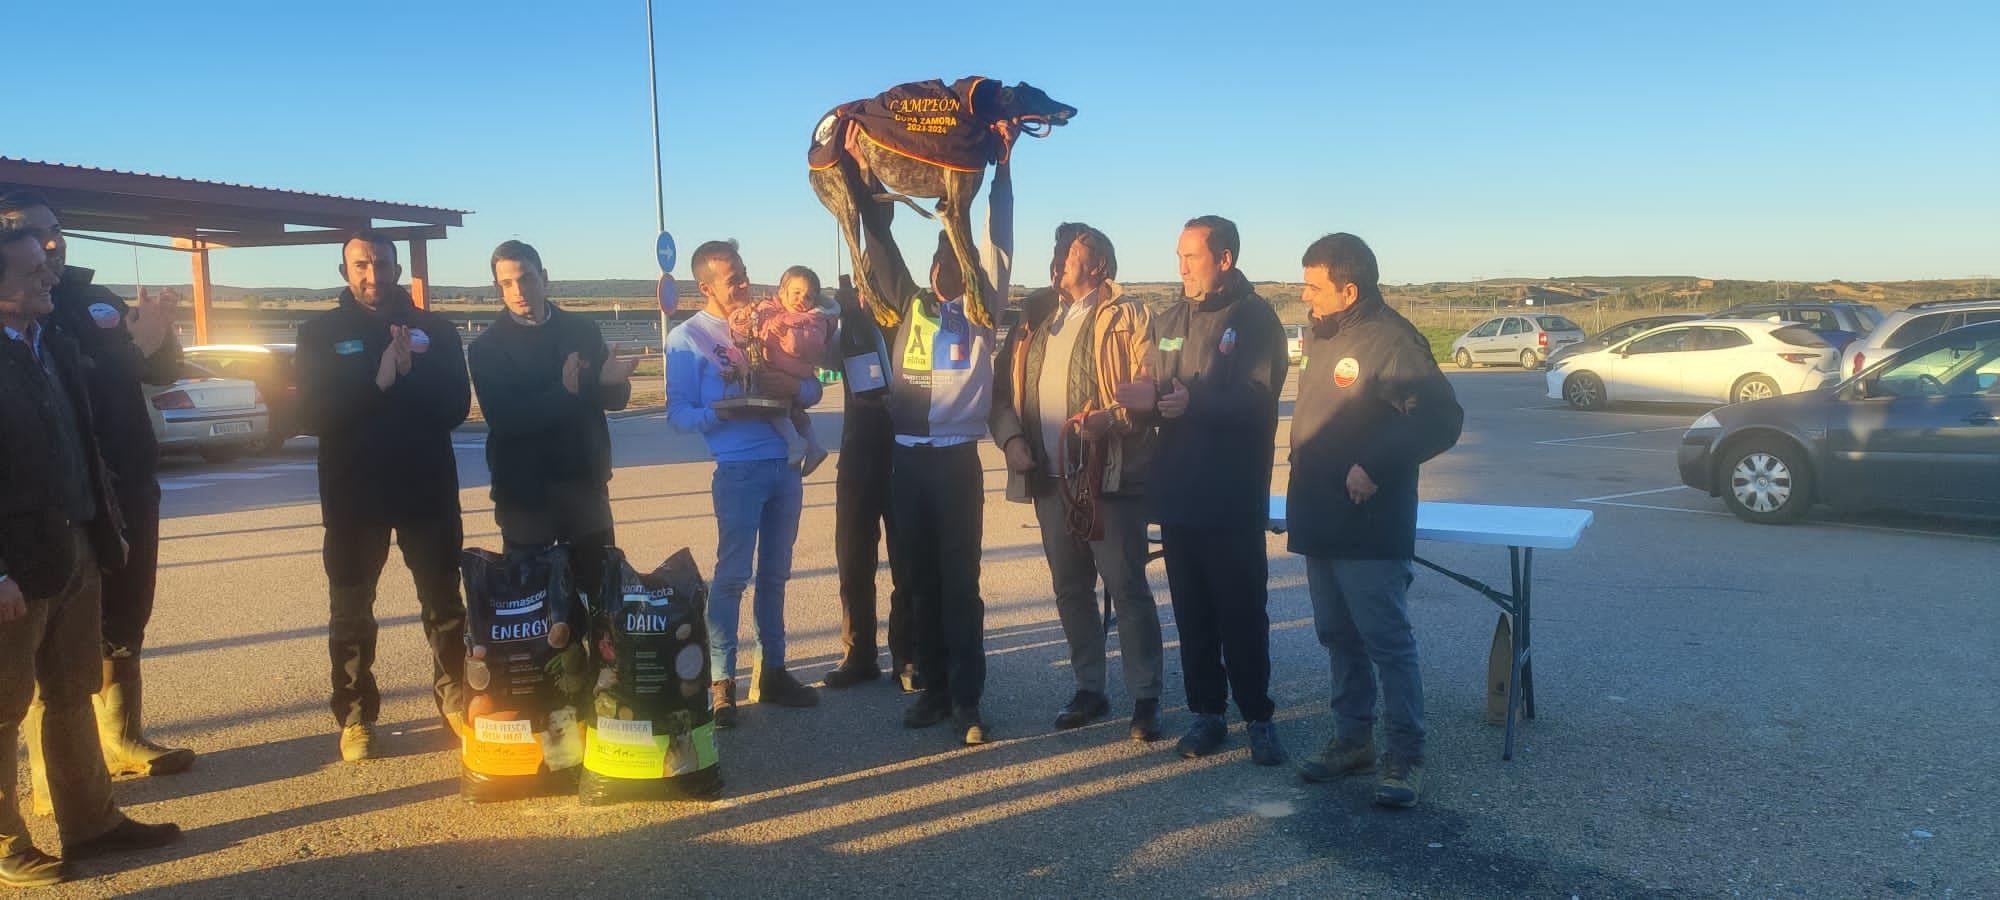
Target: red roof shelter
<point>199,216</point>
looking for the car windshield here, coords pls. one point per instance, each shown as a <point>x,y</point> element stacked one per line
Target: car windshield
<point>1557,323</point>
<point>1954,367</point>
<point>1866,318</point>
<point>1799,336</point>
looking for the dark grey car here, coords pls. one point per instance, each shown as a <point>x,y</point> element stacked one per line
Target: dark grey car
<point>1919,431</point>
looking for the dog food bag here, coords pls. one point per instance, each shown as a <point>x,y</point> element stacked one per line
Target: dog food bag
<point>649,733</point>
<point>526,670</point>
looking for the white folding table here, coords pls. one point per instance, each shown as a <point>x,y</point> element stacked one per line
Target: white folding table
<point>1522,530</point>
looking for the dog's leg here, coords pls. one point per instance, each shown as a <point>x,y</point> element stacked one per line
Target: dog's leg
<point>883,261</point>
<point>955,212</point>
<point>835,188</point>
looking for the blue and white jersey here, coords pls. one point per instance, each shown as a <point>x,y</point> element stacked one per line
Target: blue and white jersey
<point>942,386</point>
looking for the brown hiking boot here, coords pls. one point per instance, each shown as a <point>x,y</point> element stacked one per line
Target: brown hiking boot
<point>1339,758</point>
<point>722,696</point>
<point>1401,782</point>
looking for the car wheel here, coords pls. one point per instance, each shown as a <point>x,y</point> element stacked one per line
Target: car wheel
<point>1584,391</point>
<point>1529,360</point>
<point>1464,359</point>
<point>1753,387</point>
<point>223,454</point>
<point>1767,482</point>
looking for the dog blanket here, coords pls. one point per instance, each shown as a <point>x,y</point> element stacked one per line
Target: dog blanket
<point>925,120</point>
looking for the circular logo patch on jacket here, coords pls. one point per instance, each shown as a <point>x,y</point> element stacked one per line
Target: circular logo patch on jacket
<point>105,315</point>
<point>1228,341</point>
<point>1346,371</point>
<point>419,341</point>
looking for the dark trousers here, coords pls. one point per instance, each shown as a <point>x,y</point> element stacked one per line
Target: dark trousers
<point>354,555</point>
<point>939,498</point>
<point>581,519</point>
<point>53,651</point>
<point>1218,577</point>
<point>861,516</point>
<point>128,591</point>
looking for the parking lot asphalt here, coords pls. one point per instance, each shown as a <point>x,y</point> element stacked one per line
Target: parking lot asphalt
<point>1724,709</point>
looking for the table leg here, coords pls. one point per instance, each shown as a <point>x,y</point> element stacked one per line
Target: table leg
<point>1521,603</point>
<point>1514,669</point>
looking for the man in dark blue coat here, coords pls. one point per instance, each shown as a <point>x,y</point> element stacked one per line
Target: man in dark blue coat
<point>1372,407</point>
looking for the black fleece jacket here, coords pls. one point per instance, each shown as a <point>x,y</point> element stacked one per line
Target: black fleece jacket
<point>538,432</point>
<point>1212,466</point>
<point>1371,395</point>
<point>385,457</point>
<point>114,376</point>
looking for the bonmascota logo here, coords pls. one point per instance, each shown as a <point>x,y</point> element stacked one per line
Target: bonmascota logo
<point>1228,341</point>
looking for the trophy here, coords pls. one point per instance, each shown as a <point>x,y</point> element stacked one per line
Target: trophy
<point>746,329</point>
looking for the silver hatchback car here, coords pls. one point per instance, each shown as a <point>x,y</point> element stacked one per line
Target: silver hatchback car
<point>1523,339</point>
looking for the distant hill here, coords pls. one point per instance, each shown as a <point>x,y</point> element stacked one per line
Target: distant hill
<point>1606,293</point>
<point>606,289</point>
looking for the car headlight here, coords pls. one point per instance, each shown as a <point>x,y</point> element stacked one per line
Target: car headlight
<point>1707,420</point>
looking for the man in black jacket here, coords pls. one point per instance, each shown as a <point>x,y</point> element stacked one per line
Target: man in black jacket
<point>384,383</point>
<point>1218,366</point>
<point>61,522</point>
<point>545,379</point>
<point>126,349</point>
<point>1371,408</point>
<point>861,515</point>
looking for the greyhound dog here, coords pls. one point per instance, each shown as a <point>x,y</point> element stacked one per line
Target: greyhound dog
<point>923,139</point>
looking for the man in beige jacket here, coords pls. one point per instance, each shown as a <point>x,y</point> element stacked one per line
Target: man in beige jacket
<point>1081,459</point>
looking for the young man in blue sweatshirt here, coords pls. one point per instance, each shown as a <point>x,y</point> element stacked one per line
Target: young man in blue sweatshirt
<point>757,496</point>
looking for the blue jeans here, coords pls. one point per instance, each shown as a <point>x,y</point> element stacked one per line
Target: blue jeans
<point>1363,621</point>
<point>757,513</point>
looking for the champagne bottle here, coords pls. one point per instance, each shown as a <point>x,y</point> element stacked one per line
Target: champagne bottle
<point>864,354</point>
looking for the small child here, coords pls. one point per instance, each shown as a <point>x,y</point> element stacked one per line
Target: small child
<point>793,332</point>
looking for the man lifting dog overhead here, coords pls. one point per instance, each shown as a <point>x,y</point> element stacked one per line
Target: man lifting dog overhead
<point>923,139</point>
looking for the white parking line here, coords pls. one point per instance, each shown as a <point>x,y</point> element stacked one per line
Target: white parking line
<point>177,485</point>
<point>1678,509</point>
<point>1610,434</point>
<point>1678,487</point>
<point>1617,500</point>
<point>1565,409</point>
<point>236,476</point>
<point>290,467</point>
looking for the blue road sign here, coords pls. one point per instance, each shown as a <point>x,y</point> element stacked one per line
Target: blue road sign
<point>667,252</point>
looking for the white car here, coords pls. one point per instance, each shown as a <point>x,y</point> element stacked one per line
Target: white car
<point>1701,361</point>
<point>1908,326</point>
<point>220,418</point>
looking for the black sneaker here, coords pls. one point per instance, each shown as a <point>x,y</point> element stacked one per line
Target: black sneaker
<point>1083,708</point>
<point>969,724</point>
<point>1401,781</point>
<point>31,868</point>
<point>775,685</point>
<point>849,674</point>
<point>1205,736</point>
<point>1146,721</point>
<point>1264,747</point>
<point>930,709</point>
<point>125,837</point>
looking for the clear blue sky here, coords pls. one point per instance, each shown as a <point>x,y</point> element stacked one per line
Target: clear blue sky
<point>1749,140</point>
